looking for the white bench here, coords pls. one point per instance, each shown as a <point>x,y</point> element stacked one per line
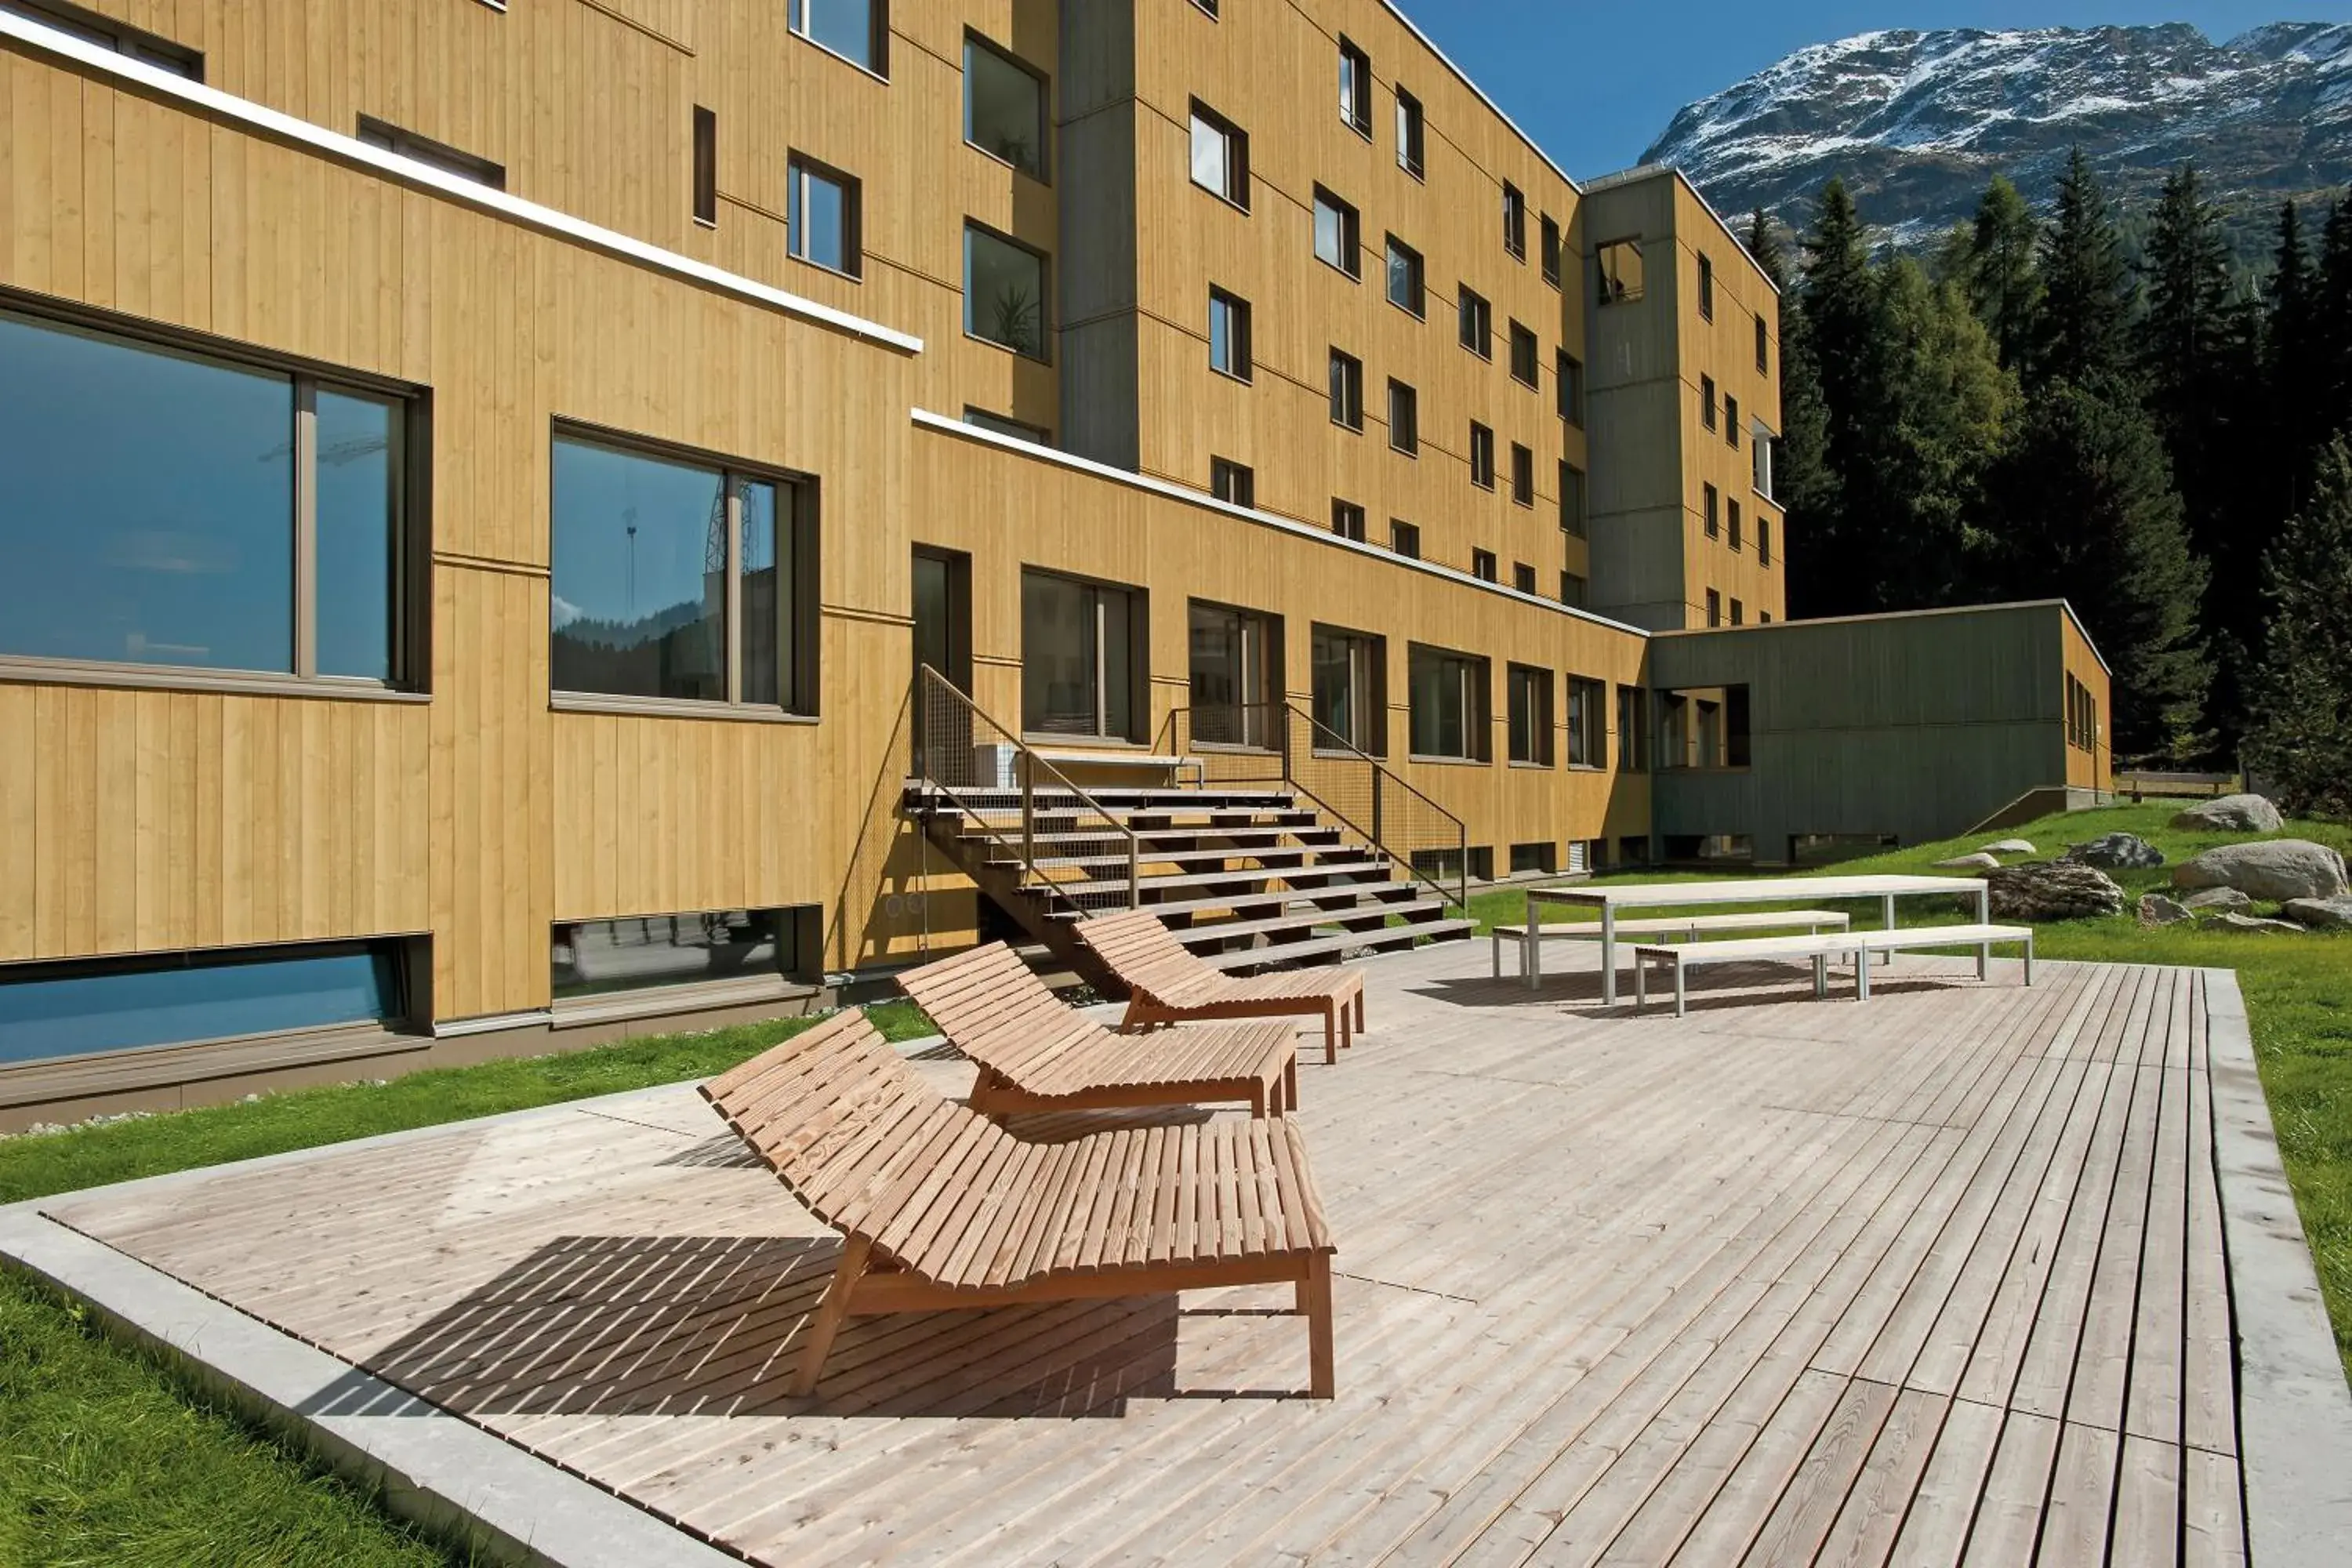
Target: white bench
<point>1849,946</point>
<point>1687,926</point>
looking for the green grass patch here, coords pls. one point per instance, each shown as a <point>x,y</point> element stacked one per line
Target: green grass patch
<point>2298,991</point>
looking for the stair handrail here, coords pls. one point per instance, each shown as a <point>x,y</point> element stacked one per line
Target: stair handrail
<point>929,683</point>
<point>1316,732</point>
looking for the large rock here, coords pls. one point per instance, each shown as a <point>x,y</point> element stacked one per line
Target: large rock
<point>2008,847</point>
<point>2250,923</point>
<point>2231,813</point>
<point>2156,909</point>
<point>1980,861</point>
<point>2117,852</point>
<point>2053,891</point>
<point>2320,914</point>
<point>2214,901</point>
<point>2275,870</point>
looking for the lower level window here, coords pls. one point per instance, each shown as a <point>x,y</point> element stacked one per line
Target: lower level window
<point>1449,705</point>
<point>1081,662</point>
<point>1527,858</point>
<point>84,1006</point>
<point>1530,695</point>
<point>591,958</point>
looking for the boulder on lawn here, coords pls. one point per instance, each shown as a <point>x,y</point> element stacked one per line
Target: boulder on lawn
<point>2231,813</point>
<point>2117,852</point>
<point>1980,861</point>
<point>2053,891</point>
<point>2156,909</point>
<point>2320,914</point>
<point>2214,901</point>
<point>2275,870</point>
<point>2250,923</point>
<point>2008,847</point>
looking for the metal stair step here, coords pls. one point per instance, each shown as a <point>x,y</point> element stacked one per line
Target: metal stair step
<point>1305,920</point>
<point>1358,868</point>
<point>1184,857</point>
<point>1239,836</point>
<point>1333,946</point>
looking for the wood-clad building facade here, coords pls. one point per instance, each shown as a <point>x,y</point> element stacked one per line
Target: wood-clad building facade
<point>474,475</point>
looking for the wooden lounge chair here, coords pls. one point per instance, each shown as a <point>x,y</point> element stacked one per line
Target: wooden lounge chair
<point>1035,1053</point>
<point>941,1209</point>
<point>1166,984</point>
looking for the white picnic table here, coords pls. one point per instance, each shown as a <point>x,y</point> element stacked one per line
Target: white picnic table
<point>1610,898</point>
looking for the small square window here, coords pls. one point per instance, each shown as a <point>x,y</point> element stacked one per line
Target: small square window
<point>1548,244</point>
<point>1356,89</point>
<point>1220,156</point>
<point>1738,613</point>
<point>1347,391</point>
<point>821,216</point>
<point>1515,221</point>
<point>1232,482</point>
<point>1404,539</point>
<point>1523,577</point>
<point>1523,475</point>
<point>1338,236</point>
<point>1408,133</point>
<point>1404,418</point>
<point>1229,334</point>
<point>1481,565</point>
<point>1405,289</point>
<point>1477,325</point>
<point>1618,265</point>
<point>1348,520</point>
<point>1482,455</point>
<point>1571,592</point>
<point>1524,351</point>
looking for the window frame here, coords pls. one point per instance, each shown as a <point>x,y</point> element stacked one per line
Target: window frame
<point>93,27</point>
<point>1416,266</point>
<point>1356,107</point>
<point>877,43</point>
<point>1138,656</point>
<point>1523,474</point>
<point>800,168</point>
<point>402,143</point>
<point>1482,455</point>
<point>1475,318</point>
<point>706,166</point>
<point>1731,421</point>
<point>1404,539</point>
<point>1042,173</point>
<point>1515,221</point>
<point>1732,534</point>
<point>1763,540</point>
<point>1524,336</point>
<point>1373,699</point>
<point>1523,578</point>
<point>1045,354</point>
<point>1568,391</point>
<point>1409,427</point>
<point>1242,364</point>
<point>1352,234</point>
<point>1474,687</point>
<point>1587,721</point>
<point>1536,723</point>
<point>1763,346</point>
<point>1348,521</point>
<point>1411,134</point>
<point>1237,161</point>
<point>1484,566</point>
<point>1705,286</point>
<point>1714,607</point>
<point>1601,254</point>
<point>1710,510</point>
<point>1550,248</point>
<point>1345,390</point>
<point>1236,484</point>
<point>1706,410</point>
<point>1573,518</point>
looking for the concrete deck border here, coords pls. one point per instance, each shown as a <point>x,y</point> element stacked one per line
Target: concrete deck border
<point>2295,1408</point>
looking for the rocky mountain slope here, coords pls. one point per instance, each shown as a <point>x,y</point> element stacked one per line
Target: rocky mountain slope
<point>1918,122</point>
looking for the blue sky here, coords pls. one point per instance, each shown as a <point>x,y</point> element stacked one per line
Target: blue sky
<point>1595,81</point>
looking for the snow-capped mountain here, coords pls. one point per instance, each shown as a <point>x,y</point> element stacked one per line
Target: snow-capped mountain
<point>1918,122</point>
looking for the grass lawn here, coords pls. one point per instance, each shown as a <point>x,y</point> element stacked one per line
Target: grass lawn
<point>107,1458</point>
<point>2298,990</point>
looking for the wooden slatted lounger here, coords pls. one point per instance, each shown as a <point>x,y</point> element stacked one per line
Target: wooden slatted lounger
<point>1166,984</point>
<point>941,1209</point>
<point>1035,1053</point>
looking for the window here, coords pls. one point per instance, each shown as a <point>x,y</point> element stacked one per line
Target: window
<point>83,1007</point>
<point>2082,716</point>
<point>1704,727</point>
<point>1477,325</point>
<point>1572,499</point>
<point>165,507</point>
<point>706,167</point>
<point>1337,235</point>
<point>1523,354</point>
<point>1706,401</point>
<point>1350,682</point>
<point>1229,334</point>
<point>1004,106</point>
<point>1523,577</point>
<point>1568,387</point>
<point>1408,133</point>
<point>1082,664</point>
<point>642,953</point>
<point>1404,539</point>
<point>1448,705</point>
<point>1588,739</point>
<point>856,30</point>
<point>1763,346</point>
<point>439,155</point>
<point>108,34</point>
<point>1515,221</point>
<point>1619,265</point>
<point>1481,565</point>
<point>1237,659</point>
<point>1347,390</point>
<point>821,216</point>
<point>1003,291</point>
<point>1404,418</point>
<point>1220,156</point>
<point>1572,589</point>
<point>1527,706</point>
<point>1207,8</point>
<point>1404,277</point>
<point>1548,249</point>
<point>1005,425</point>
<point>677,579</point>
<point>1711,510</point>
<point>1528,859</point>
<point>1738,613</point>
<point>1348,520</point>
<point>1731,524</point>
<point>1523,474</point>
<point>1706,287</point>
<point>1232,482</point>
<point>1763,539</point>
<point>1760,461</point>
<point>1356,89</point>
<point>1482,455</point>
<point>1731,420</point>
<point>1763,617</point>
<point>1714,608</point>
<point>1633,730</point>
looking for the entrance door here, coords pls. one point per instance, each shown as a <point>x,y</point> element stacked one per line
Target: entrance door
<point>943,616</point>
<point>1234,677</point>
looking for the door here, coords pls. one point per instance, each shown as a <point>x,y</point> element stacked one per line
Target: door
<point>943,616</point>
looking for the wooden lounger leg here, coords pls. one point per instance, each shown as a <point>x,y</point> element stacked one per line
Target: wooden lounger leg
<point>1314,1301</point>
<point>829,1313</point>
<point>1330,1036</point>
<point>1984,958</point>
<point>1682,993</point>
<point>2029,960</point>
<point>1359,1011</point>
<point>1820,977</point>
<point>1861,976</point>
<point>1290,1082</point>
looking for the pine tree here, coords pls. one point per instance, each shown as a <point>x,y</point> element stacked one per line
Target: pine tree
<point>2184,339</point>
<point>1941,409</point>
<point>2332,324</point>
<point>2086,506</point>
<point>2004,289</point>
<point>2081,331</point>
<point>2301,740</point>
<point>1801,482</point>
<point>2292,367</point>
<point>1836,572</point>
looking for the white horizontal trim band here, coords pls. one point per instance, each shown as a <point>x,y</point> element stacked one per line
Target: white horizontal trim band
<point>1055,455</point>
<point>349,149</point>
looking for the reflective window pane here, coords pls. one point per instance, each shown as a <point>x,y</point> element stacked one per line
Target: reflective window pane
<point>594,957</point>
<point>357,445</point>
<point>844,26</point>
<point>148,513</point>
<point>120,1004</point>
<point>766,568</point>
<point>1004,293</point>
<point>818,219</point>
<point>1212,157</point>
<point>638,596</point>
<point>1003,108</point>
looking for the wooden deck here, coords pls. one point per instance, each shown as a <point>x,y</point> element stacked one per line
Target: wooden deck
<point>1935,1279</point>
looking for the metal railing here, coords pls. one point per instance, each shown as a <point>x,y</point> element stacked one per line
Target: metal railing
<point>1356,790</point>
<point>1069,847</point>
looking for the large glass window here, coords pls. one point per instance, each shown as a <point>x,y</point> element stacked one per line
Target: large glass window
<point>1229,334</point>
<point>1347,390</point>
<point>1080,658</point>
<point>1404,276</point>
<point>1529,714</point>
<point>89,1005</point>
<point>1404,418</point>
<point>820,216</point>
<point>1338,241</point>
<point>159,507</point>
<point>1349,679</point>
<point>1234,656</point>
<point>1004,106</point>
<point>1523,354</point>
<point>856,30</point>
<point>1408,133</point>
<point>1588,722</point>
<point>1477,323</point>
<point>1632,729</point>
<point>593,958</point>
<point>672,580</point>
<point>1448,699</point>
<point>1355,88</point>
<point>1220,156</point>
<point>1003,292</point>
